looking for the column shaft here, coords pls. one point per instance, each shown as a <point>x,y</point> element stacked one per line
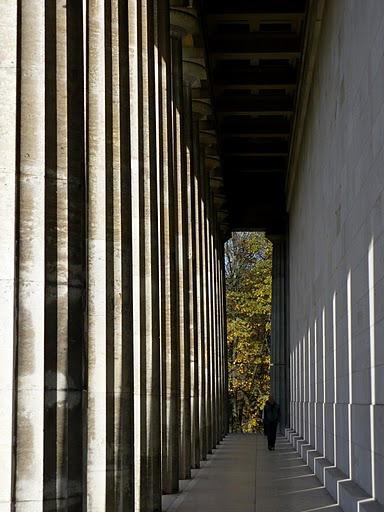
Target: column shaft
<point>185,353</point>
<point>200,272</point>
<point>8,204</point>
<point>76,347</point>
<point>211,234</point>
<point>146,336</point>
<point>169,305</point>
<point>97,258</point>
<point>31,161</point>
<point>64,258</point>
<point>195,354</point>
<point>215,316</point>
<point>279,375</point>
<point>56,262</point>
<point>119,264</point>
<point>223,346</point>
<point>206,306</point>
<point>181,235</point>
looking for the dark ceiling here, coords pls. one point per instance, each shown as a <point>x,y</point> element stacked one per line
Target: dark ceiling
<point>254,53</point>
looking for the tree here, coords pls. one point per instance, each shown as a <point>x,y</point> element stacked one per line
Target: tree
<point>248,272</point>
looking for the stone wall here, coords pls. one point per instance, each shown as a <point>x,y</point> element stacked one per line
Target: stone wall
<point>337,259</point>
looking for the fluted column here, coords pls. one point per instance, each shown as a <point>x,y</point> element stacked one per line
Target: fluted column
<point>64,260</point>
<point>8,203</point>
<point>192,73</point>
<point>207,304</point>
<point>30,293</point>
<point>76,343</point>
<point>56,264</point>
<point>182,22</point>
<point>210,373</point>
<point>223,344</point>
<point>180,226</point>
<point>279,334</point>
<point>195,342</point>
<point>215,318</point>
<point>119,264</point>
<point>220,337</point>
<point>203,384</point>
<point>185,350</point>
<point>41,389</point>
<point>169,305</point>
<point>146,338</point>
<point>97,259</point>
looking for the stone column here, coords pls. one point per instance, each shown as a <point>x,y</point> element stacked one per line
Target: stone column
<point>76,346</point>
<point>196,341</point>
<point>30,257</point>
<point>220,362</point>
<point>45,192</point>
<point>205,308</point>
<point>215,296</point>
<point>185,351</point>
<point>120,439</point>
<point>192,74</point>
<point>200,266</point>
<point>146,337</point>
<point>223,342</point>
<point>97,258</point>
<point>180,224</point>
<point>64,259</point>
<point>8,208</point>
<point>279,332</point>
<point>182,22</point>
<point>210,323</point>
<point>169,305</point>
<point>199,429</point>
<point>206,303</point>
<point>213,233</point>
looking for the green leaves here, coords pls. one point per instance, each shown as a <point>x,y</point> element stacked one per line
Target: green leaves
<point>248,267</point>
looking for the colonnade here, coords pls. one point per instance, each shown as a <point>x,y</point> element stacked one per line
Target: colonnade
<point>112,321</point>
<point>280,361</point>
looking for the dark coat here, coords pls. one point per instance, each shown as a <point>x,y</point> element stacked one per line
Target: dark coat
<point>272,413</point>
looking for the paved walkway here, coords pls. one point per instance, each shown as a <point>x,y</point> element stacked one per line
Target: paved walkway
<point>243,476</point>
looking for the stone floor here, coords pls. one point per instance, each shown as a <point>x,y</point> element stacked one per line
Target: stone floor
<point>243,476</point>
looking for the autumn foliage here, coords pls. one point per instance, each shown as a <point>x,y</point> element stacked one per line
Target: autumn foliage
<point>248,271</point>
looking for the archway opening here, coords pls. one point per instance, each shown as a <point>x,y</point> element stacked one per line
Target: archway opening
<point>248,274</point>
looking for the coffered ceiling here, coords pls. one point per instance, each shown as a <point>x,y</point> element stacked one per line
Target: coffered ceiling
<point>253,51</point>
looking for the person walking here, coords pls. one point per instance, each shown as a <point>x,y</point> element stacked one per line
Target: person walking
<point>271,420</point>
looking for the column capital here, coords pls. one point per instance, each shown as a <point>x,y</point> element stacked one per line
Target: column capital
<point>212,162</point>
<point>276,237</point>
<point>201,108</point>
<point>183,21</point>
<point>193,72</point>
<point>207,137</point>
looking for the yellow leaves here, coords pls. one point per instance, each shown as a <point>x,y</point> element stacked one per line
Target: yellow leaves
<point>249,290</point>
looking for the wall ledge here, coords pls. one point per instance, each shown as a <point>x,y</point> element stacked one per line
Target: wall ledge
<point>349,496</point>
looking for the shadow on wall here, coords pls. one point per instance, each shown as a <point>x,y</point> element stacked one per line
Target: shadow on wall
<point>337,389</point>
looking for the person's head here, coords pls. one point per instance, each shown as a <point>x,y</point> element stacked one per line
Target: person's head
<point>271,399</point>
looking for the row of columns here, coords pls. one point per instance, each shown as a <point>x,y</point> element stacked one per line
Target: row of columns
<point>112,321</point>
<point>280,368</point>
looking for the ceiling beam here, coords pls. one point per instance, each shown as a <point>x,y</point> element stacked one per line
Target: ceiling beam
<point>265,8</point>
<point>234,165</point>
<point>242,147</point>
<point>254,104</point>
<point>256,77</point>
<point>256,128</point>
<point>256,43</point>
